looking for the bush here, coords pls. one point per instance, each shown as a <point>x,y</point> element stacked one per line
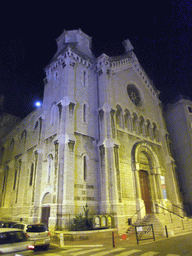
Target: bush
<point>82,223</point>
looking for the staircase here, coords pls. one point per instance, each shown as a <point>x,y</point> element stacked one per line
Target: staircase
<point>164,224</point>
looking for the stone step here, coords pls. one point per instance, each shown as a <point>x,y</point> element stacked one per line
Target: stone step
<point>163,222</point>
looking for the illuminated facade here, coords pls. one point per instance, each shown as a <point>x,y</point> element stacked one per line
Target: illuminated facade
<point>99,138</point>
<point>178,116</point>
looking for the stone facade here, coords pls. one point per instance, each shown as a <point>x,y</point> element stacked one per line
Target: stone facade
<point>178,116</point>
<point>98,138</point>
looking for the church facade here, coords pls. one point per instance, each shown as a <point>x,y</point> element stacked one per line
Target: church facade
<point>99,139</point>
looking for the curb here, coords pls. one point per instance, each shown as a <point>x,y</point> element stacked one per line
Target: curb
<point>86,245</point>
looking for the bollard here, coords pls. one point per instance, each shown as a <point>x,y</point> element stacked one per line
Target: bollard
<point>166,232</point>
<point>61,240</point>
<point>113,238</point>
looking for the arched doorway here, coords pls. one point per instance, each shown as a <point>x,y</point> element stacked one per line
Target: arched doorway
<point>45,211</point>
<point>145,187</point>
<point>147,173</point>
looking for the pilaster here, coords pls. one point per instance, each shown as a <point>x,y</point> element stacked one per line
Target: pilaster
<point>65,142</point>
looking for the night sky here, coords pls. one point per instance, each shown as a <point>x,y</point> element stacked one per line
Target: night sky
<point>161,35</point>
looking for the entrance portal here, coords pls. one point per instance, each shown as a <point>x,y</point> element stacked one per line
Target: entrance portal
<point>145,191</point>
<point>45,215</point>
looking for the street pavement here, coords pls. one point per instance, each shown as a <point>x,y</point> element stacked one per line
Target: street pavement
<point>180,245</point>
<point>111,241</point>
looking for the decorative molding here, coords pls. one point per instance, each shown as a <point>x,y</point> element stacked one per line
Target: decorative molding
<point>61,60</point>
<point>71,145</point>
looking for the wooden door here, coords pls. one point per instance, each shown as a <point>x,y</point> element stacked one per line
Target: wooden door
<point>45,215</point>
<point>145,191</point>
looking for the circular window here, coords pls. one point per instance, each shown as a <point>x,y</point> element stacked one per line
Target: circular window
<point>134,95</point>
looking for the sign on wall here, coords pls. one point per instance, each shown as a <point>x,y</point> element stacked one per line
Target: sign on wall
<point>102,221</point>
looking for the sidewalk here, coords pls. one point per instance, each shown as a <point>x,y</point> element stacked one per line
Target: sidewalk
<point>109,242</point>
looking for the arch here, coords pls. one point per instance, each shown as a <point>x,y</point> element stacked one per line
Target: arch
<point>85,159</point>
<point>154,130</point>
<point>46,209</point>
<point>119,117</point>
<point>127,119</point>
<point>53,113</point>
<point>24,135</point>
<point>148,128</point>
<point>135,122</point>
<point>141,126</point>
<point>148,151</point>
<point>47,199</point>
<point>146,167</point>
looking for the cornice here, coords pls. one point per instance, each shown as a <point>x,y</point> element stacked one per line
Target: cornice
<point>64,58</point>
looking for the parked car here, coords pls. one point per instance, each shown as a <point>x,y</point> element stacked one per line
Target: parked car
<point>13,240</point>
<point>7,224</point>
<point>38,234</point>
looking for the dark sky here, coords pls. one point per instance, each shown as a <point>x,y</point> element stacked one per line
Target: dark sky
<point>160,33</point>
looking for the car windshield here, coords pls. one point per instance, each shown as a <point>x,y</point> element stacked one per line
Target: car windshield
<point>36,228</point>
<point>8,224</point>
<point>12,237</point>
<point>19,226</point>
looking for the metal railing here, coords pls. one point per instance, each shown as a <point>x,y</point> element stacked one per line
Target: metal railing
<point>183,210</point>
<point>171,212</point>
<point>130,219</point>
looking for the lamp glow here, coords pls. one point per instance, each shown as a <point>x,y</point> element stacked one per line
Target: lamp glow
<point>38,104</point>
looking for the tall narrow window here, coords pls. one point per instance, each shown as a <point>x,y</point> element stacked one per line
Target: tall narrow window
<point>154,131</point>
<point>84,167</point>
<point>119,117</point>
<point>36,125</point>
<point>31,175</point>
<point>50,158</point>
<point>53,114</point>
<point>15,180</point>
<point>84,113</point>
<point>84,77</point>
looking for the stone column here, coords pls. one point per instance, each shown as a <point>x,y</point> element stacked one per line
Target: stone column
<point>36,214</point>
<point>66,140</point>
<point>104,180</point>
<point>155,193</point>
<point>138,189</point>
<point>139,201</point>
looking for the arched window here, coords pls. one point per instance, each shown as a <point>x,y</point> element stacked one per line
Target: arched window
<point>148,125</point>
<point>24,135</point>
<point>141,126</point>
<point>31,174</point>
<point>135,123</point>
<point>127,120</point>
<point>119,117</point>
<point>154,131</point>
<point>53,114</point>
<point>50,161</point>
